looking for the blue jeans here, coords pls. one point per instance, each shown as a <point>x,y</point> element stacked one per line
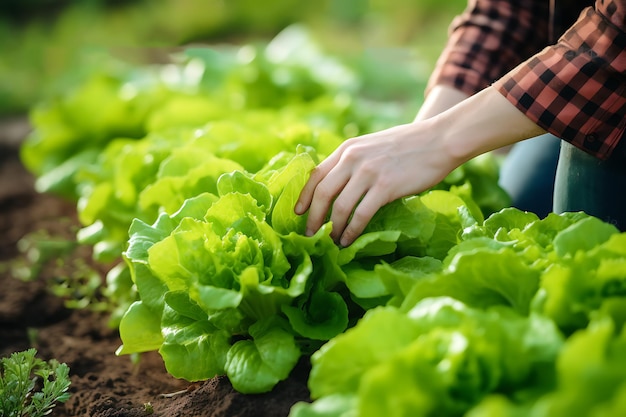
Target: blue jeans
<point>546,174</point>
<point>528,171</point>
<point>585,183</point>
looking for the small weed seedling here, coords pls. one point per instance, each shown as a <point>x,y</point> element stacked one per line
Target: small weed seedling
<point>30,386</point>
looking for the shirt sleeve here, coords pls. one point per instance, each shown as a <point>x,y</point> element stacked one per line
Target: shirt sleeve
<point>489,39</point>
<point>576,89</point>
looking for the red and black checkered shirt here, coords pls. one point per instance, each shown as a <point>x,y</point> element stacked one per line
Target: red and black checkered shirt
<point>573,87</point>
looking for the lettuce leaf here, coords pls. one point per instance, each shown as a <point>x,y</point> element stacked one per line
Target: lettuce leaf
<point>590,378</point>
<point>440,358</point>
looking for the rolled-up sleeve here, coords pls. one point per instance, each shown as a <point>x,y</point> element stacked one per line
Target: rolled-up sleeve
<point>489,39</point>
<point>576,89</point>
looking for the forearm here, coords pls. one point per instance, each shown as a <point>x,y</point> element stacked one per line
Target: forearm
<point>482,123</point>
<point>439,99</point>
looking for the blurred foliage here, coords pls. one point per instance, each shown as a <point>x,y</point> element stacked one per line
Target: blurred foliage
<point>48,46</point>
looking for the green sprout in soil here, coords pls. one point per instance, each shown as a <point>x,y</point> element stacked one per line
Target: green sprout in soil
<point>30,386</point>
<point>147,408</point>
<point>60,262</point>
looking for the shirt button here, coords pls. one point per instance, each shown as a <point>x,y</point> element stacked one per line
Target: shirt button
<point>591,138</point>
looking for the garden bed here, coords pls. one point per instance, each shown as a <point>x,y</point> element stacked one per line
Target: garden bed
<point>103,384</point>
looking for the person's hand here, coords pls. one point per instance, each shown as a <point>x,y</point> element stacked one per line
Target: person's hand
<point>369,171</point>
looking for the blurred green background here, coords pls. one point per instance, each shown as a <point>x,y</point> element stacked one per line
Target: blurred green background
<point>48,45</point>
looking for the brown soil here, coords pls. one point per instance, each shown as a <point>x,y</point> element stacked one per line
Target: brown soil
<point>103,384</point>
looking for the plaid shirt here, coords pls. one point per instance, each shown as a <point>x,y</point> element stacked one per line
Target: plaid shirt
<point>574,88</point>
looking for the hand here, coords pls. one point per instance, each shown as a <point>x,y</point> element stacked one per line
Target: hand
<point>369,171</point>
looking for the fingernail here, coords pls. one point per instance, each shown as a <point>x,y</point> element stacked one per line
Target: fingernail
<point>309,232</point>
<point>299,208</point>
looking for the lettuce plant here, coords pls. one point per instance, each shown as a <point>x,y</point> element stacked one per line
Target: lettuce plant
<point>439,358</point>
<point>217,277</point>
<point>590,376</point>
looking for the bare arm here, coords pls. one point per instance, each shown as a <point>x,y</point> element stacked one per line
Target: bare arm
<point>439,99</point>
<point>369,171</point>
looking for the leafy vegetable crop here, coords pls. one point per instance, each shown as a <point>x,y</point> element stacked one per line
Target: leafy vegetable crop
<point>230,277</point>
<point>524,317</point>
<point>450,303</point>
<point>164,134</point>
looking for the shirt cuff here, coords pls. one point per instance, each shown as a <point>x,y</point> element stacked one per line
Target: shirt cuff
<point>575,89</point>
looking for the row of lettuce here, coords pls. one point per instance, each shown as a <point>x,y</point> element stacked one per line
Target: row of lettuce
<point>451,303</point>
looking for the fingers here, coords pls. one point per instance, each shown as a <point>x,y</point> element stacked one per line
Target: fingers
<point>342,181</point>
<point>324,184</point>
<point>353,205</point>
<point>344,205</point>
<point>319,192</point>
<point>317,175</point>
<point>323,196</point>
<point>334,183</point>
<point>306,195</point>
<point>363,213</point>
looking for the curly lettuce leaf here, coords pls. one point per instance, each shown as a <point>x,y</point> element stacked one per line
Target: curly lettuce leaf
<point>185,173</point>
<point>257,364</point>
<point>575,287</point>
<point>590,378</point>
<point>481,278</point>
<point>440,358</point>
